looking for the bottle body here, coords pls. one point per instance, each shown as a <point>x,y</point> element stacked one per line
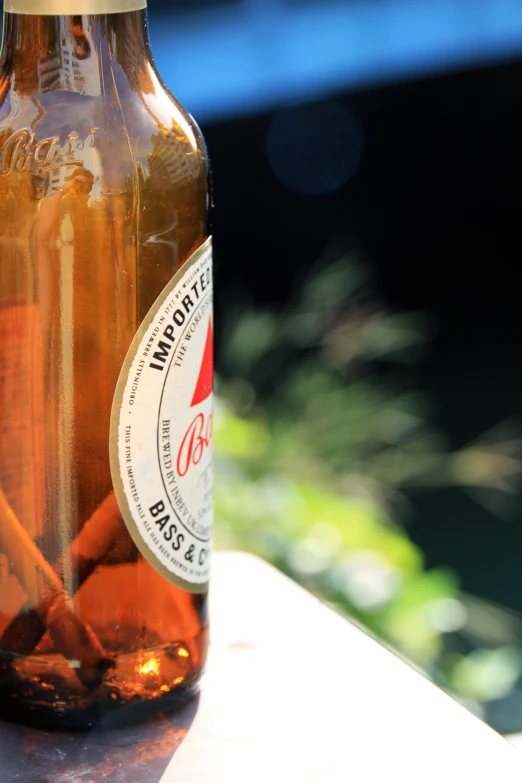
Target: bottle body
<point>103,198</point>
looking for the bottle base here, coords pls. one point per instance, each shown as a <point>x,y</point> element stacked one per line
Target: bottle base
<point>45,691</point>
<point>104,714</point>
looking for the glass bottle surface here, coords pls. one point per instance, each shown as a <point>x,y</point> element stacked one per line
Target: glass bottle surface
<point>103,197</point>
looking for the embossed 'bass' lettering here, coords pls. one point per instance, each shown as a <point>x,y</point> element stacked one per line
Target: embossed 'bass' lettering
<point>14,155</point>
<point>21,149</point>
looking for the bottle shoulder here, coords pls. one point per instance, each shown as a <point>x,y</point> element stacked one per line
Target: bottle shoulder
<point>131,123</point>
<point>169,118</point>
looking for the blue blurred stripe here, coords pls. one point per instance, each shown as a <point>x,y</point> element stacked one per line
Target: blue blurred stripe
<point>235,61</point>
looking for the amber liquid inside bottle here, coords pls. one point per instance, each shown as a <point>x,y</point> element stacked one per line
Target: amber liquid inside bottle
<point>103,197</point>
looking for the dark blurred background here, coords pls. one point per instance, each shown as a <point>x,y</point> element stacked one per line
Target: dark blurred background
<point>385,136</point>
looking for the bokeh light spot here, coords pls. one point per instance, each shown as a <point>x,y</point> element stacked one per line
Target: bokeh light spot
<point>314,150</point>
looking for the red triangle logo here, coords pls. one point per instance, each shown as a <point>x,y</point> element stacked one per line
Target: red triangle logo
<point>205,383</point>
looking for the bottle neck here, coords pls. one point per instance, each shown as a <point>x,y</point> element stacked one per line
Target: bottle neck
<point>45,52</point>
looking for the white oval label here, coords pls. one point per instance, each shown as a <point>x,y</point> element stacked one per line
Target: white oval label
<point>161,429</point>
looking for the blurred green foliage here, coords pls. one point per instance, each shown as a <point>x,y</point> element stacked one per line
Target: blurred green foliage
<point>316,437</point>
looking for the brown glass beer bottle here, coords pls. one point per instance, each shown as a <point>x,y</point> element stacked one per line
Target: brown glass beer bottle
<point>105,370</point>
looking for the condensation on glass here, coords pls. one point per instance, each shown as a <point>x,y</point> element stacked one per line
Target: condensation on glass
<point>103,197</point>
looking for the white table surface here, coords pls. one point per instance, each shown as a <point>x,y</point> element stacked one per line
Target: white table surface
<point>295,693</point>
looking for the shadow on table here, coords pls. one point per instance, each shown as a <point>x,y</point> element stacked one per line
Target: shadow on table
<point>108,754</point>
